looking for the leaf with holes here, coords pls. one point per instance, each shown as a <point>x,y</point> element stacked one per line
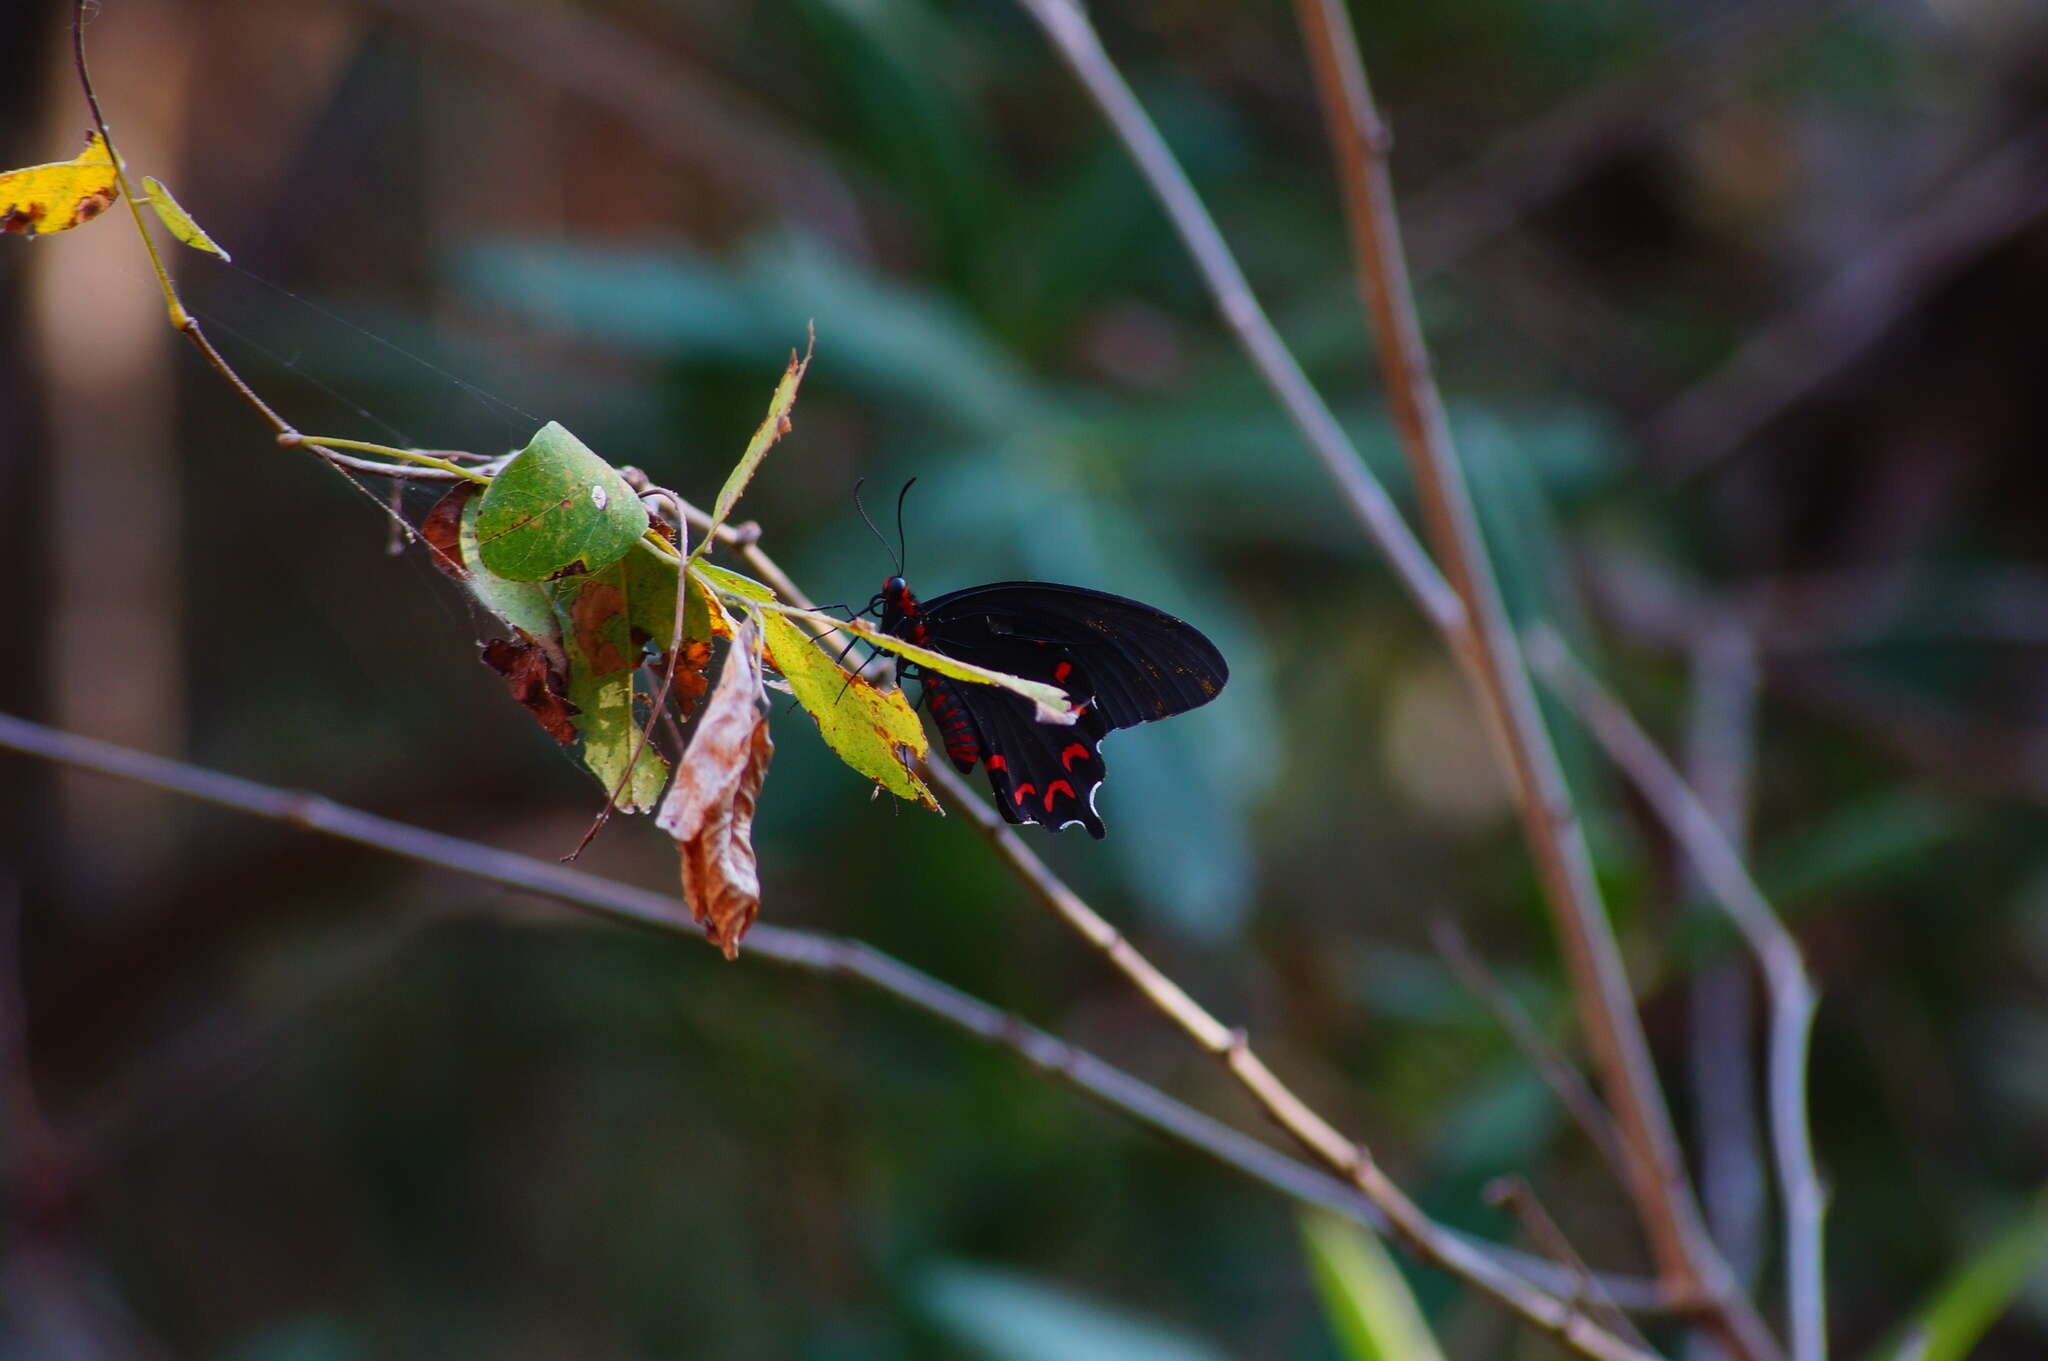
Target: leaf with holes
<point>39,199</point>
<point>555,510</point>
<point>709,810</point>
<point>867,728</point>
<point>179,222</point>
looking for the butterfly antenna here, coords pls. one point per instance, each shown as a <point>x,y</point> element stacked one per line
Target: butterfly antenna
<point>893,554</point>
<point>902,549</point>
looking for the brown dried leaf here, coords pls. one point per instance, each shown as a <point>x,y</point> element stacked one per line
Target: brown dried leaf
<point>709,808</point>
<point>534,682</point>
<point>441,531</point>
<point>690,682</point>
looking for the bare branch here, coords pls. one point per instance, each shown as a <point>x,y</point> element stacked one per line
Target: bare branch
<point>1518,1197</point>
<point>1486,645</point>
<point>1081,49</point>
<point>810,951</point>
<point>1428,1240</point>
<point>1570,1089</point>
<point>1719,741</point>
<point>1792,995</point>
<point>1406,1221</point>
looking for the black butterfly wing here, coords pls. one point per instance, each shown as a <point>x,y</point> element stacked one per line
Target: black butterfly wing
<point>1142,663</point>
<point>1124,661</point>
<point>1039,772</point>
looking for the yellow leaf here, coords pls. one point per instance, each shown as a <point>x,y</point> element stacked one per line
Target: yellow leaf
<point>1049,703</point>
<point>40,199</point>
<point>179,221</point>
<point>865,727</point>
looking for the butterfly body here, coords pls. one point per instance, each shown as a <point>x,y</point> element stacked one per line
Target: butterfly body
<point>1120,661</point>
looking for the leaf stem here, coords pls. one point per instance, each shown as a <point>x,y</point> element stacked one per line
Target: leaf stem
<point>453,472</point>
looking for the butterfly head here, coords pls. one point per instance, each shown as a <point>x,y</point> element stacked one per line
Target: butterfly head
<point>894,602</point>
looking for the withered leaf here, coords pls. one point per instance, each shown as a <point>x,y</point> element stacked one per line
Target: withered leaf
<point>534,682</point>
<point>690,680</point>
<point>441,531</point>
<point>709,807</point>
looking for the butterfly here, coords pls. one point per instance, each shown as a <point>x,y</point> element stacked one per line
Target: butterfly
<point>1120,661</point>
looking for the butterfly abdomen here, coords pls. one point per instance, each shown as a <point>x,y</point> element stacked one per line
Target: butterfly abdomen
<point>956,725</point>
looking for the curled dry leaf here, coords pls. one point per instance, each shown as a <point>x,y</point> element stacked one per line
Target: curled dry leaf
<point>441,531</point>
<point>709,807</point>
<point>690,680</point>
<point>534,682</point>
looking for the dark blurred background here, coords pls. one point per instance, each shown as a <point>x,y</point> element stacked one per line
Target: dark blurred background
<point>1738,312</point>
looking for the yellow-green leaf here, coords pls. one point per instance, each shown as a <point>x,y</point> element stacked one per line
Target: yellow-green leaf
<point>178,221</point>
<point>773,428</point>
<point>1050,701</point>
<point>725,579</point>
<point>1365,1298</point>
<point>865,727</point>
<point>39,199</point>
<point>1979,1289</point>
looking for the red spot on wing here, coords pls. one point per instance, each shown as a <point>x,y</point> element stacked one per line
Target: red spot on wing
<point>1062,671</point>
<point>998,763</point>
<point>1025,791</point>
<point>1052,791</point>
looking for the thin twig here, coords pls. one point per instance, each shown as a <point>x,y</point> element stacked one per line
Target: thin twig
<point>1514,1194</point>
<point>1719,743</point>
<point>1405,1220</point>
<point>1422,1235</point>
<point>187,325</point>
<point>1792,995</point>
<point>1570,1089</point>
<point>811,951</point>
<point>1239,307</point>
<point>1486,645</point>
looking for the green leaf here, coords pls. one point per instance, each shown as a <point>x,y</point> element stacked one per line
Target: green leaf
<point>555,508</point>
<point>864,726</point>
<point>773,427</point>
<point>1010,1317</point>
<point>1365,1297</point>
<point>606,618</point>
<point>1976,1293</point>
<point>522,604</point>
<point>178,221</point>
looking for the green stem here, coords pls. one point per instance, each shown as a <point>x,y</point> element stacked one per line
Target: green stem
<point>387,451</point>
